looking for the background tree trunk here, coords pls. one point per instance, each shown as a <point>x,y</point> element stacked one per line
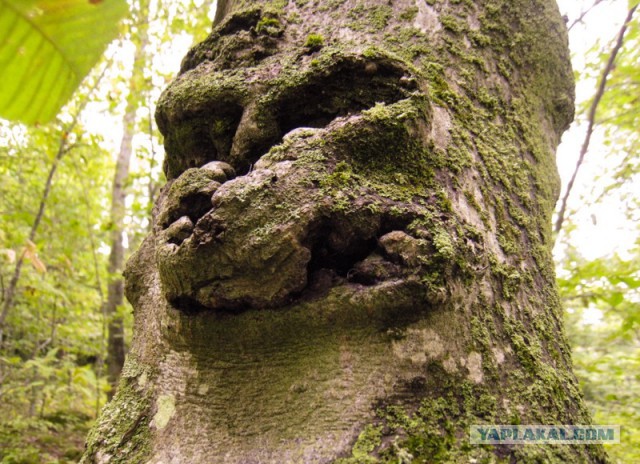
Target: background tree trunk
<point>378,276</point>
<point>115,289</point>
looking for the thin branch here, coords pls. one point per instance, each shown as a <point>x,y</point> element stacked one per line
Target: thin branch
<point>592,117</point>
<point>583,14</point>
<point>96,270</point>
<point>92,239</point>
<point>581,296</point>
<point>41,346</point>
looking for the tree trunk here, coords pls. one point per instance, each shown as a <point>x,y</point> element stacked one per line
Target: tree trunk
<point>115,288</point>
<point>351,259</point>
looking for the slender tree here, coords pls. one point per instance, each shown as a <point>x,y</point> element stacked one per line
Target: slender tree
<point>350,261</point>
<point>115,287</point>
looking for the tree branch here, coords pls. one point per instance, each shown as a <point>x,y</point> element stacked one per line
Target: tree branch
<point>222,9</point>
<point>592,117</point>
<point>583,14</point>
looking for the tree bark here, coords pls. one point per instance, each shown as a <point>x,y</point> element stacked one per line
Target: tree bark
<point>351,260</point>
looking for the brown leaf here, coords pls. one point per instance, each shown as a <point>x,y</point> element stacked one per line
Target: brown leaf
<point>31,254</point>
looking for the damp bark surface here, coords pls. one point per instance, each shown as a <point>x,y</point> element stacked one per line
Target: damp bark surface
<point>351,259</point>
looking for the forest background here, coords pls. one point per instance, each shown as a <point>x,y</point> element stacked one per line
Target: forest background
<point>76,193</point>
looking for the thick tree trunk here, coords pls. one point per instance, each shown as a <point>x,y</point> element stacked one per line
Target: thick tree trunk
<point>376,274</point>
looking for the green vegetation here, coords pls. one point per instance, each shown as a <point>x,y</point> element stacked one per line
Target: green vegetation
<point>269,25</point>
<point>314,42</point>
<point>601,290</point>
<point>55,190</point>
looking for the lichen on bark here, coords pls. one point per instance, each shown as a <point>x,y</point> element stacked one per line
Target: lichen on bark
<point>351,259</point>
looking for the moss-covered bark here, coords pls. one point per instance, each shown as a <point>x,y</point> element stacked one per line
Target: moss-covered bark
<point>351,260</point>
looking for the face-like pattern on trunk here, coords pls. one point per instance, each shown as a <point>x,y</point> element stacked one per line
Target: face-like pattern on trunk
<point>289,177</point>
<point>354,233</point>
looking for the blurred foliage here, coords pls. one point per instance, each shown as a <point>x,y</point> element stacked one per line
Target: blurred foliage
<point>52,373</point>
<point>49,385</point>
<point>602,294</point>
<point>602,297</point>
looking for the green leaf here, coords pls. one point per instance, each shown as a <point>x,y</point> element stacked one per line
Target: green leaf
<point>46,48</point>
<point>631,282</point>
<point>615,299</point>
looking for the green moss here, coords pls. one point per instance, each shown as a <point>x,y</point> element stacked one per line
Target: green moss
<point>341,176</point>
<point>356,14</point>
<point>379,16</point>
<point>409,14</point>
<point>479,39</point>
<point>399,173</point>
<point>481,334</point>
<point>453,24</point>
<point>277,5</point>
<point>123,428</point>
<point>444,203</point>
<point>372,19</point>
<point>444,245</point>
<point>329,5</point>
<point>269,25</point>
<point>368,440</point>
<point>314,41</point>
<point>436,429</point>
<point>294,18</point>
<point>487,99</point>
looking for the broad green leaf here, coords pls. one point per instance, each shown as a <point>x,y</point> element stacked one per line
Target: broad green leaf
<point>46,48</point>
<point>630,281</point>
<point>615,298</point>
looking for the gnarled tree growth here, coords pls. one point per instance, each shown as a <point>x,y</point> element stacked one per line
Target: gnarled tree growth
<point>351,259</point>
